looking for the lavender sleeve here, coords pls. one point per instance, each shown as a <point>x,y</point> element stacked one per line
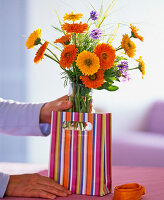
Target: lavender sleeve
<point>4,179</point>
<point>19,119</point>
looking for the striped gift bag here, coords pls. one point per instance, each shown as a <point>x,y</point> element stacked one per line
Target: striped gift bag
<point>80,154</point>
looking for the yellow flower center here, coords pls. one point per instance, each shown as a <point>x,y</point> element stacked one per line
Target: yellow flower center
<point>104,55</point>
<point>93,77</point>
<point>67,55</point>
<point>88,62</point>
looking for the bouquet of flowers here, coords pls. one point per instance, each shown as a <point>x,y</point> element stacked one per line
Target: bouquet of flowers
<point>88,59</point>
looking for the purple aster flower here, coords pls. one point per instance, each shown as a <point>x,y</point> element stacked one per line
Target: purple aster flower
<point>125,77</point>
<point>123,67</point>
<point>94,15</point>
<point>96,33</point>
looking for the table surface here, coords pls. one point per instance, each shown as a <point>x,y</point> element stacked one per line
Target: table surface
<point>151,178</point>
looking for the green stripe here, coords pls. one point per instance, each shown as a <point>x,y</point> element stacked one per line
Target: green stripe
<point>79,158</point>
<point>57,146</point>
<point>102,154</point>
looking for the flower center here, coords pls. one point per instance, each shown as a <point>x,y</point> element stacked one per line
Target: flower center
<point>104,56</point>
<point>93,77</point>
<point>129,45</point>
<point>67,55</point>
<point>72,16</point>
<point>67,42</point>
<point>37,41</point>
<point>88,62</point>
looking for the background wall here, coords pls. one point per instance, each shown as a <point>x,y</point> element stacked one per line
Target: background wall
<point>13,73</point>
<point>128,105</point>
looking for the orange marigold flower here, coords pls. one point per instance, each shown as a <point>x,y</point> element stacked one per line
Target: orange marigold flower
<point>134,32</point>
<point>40,52</point>
<point>72,16</point>
<point>68,56</point>
<point>141,66</point>
<point>65,39</point>
<point>33,39</point>
<point>88,62</point>
<point>128,45</point>
<point>75,28</point>
<point>106,54</point>
<point>93,81</point>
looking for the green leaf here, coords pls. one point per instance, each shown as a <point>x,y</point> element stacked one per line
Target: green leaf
<point>109,80</point>
<point>110,72</point>
<point>101,9</point>
<point>92,6</point>
<point>112,88</point>
<point>58,29</point>
<point>60,22</point>
<point>106,13</point>
<point>117,79</point>
<point>109,87</point>
<point>111,38</point>
<point>118,58</point>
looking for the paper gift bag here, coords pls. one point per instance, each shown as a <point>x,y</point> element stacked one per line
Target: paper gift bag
<point>80,154</point>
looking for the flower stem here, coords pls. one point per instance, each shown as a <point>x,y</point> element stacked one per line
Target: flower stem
<point>53,54</point>
<point>119,48</point>
<point>74,38</point>
<point>88,20</point>
<point>52,45</point>
<point>55,47</point>
<point>51,58</point>
<point>134,68</point>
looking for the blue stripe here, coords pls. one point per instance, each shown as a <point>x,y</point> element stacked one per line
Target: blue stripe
<point>70,172</point>
<point>82,161</point>
<point>93,169</point>
<point>61,120</point>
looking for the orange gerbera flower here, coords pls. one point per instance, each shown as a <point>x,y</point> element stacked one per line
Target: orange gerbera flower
<point>134,32</point>
<point>40,52</point>
<point>72,16</point>
<point>141,66</point>
<point>87,62</point>
<point>75,28</point>
<point>34,39</point>
<point>128,45</point>
<point>65,39</point>
<point>106,54</point>
<point>93,81</point>
<point>68,55</point>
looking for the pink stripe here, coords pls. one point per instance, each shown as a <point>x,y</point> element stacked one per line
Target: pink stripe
<point>108,149</point>
<point>53,140</point>
<point>98,154</point>
<point>75,149</point>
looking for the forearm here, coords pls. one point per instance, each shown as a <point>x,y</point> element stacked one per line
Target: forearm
<point>4,179</point>
<point>20,118</point>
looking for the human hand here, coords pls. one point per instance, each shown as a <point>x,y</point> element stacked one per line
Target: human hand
<point>57,105</point>
<point>34,185</point>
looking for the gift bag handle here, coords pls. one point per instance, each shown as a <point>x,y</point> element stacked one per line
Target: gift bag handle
<point>77,126</point>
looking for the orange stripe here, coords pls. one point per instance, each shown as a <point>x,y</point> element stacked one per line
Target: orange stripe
<point>104,188</point>
<point>66,153</point>
<point>89,157</point>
